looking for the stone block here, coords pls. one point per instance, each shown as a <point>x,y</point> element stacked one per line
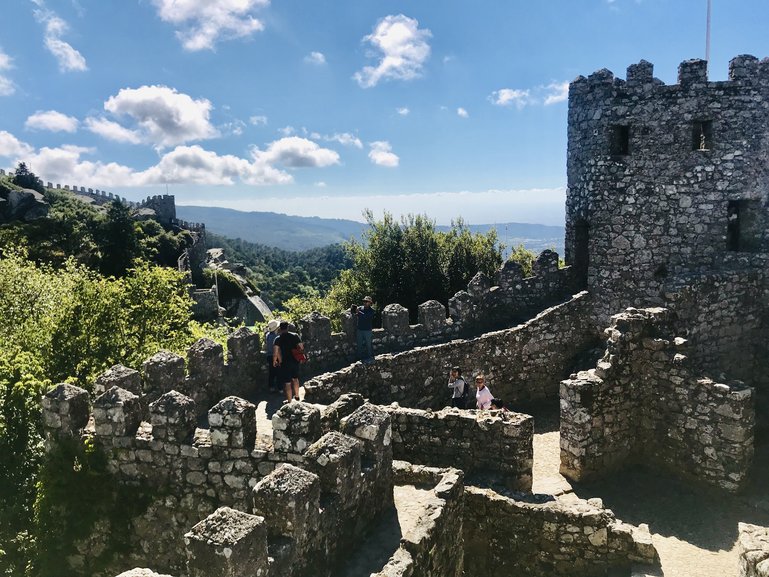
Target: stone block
<point>119,376</point>
<point>228,543</point>
<point>163,372</point>
<point>316,331</point>
<point>172,417</point>
<point>232,423</point>
<point>372,426</point>
<point>693,71</point>
<point>289,500</point>
<point>118,410</point>
<point>335,458</point>
<point>640,73</point>
<point>479,285</point>
<point>432,315</point>
<point>461,307</point>
<point>546,264</point>
<point>510,275</point>
<point>743,67</point>
<point>295,426</point>
<point>65,410</point>
<point>395,319</point>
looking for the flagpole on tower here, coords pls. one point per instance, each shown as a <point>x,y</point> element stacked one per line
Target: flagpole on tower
<point>707,36</point>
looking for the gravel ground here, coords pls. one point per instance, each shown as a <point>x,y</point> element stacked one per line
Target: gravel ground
<point>693,529</point>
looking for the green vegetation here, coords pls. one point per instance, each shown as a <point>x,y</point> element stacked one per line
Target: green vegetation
<point>278,275</point>
<point>406,262</point>
<point>106,240</point>
<point>23,178</point>
<point>69,324</point>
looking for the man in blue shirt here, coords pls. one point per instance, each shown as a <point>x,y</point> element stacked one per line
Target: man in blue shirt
<point>365,316</point>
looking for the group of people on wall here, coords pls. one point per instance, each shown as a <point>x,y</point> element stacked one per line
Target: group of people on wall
<point>285,353</point>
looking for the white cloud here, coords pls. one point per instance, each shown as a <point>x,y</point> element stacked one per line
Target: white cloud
<point>112,130</point>
<point>163,116</point>
<point>287,130</point>
<point>510,97</point>
<point>321,184</point>
<point>296,152</point>
<point>258,120</point>
<point>69,59</point>
<point>317,58</point>
<point>12,147</point>
<point>6,84</point>
<point>543,94</point>
<point>192,165</point>
<point>51,120</point>
<point>557,92</point>
<point>403,47</point>
<point>403,111</point>
<point>345,138</point>
<point>462,113</point>
<point>202,23</point>
<point>381,154</point>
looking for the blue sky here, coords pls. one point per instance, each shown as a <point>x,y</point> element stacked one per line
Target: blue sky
<point>327,107</point>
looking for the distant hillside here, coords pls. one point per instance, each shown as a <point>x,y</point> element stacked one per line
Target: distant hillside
<point>303,233</point>
<point>272,229</point>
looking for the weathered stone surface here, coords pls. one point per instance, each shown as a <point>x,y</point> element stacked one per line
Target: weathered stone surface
<point>644,403</point>
<point>117,413</point>
<point>229,543</point>
<point>172,417</point>
<point>119,376</point>
<point>233,424</point>
<point>65,411</point>
<point>753,550</point>
<point>295,426</point>
<point>163,372</point>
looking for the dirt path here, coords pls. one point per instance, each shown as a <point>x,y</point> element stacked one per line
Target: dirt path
<point>694,530</point>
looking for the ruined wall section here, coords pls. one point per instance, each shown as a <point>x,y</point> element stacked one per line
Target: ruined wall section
<point>505,536</point>
<point>196,470</point>
<point>646,402</point>
<point>521,364</point>
<point>487,304</point>
<point>666,182</point>
<point>496,443</point>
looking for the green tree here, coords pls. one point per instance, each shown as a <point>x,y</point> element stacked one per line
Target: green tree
<point>25,178</point>
<point>119,240</point>
<point>411,262</point>
<point>524,257</point>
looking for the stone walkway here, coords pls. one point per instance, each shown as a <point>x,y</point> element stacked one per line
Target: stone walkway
<point>694,530</point>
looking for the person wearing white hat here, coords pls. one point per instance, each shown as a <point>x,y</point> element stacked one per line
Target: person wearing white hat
<point>270,334</point>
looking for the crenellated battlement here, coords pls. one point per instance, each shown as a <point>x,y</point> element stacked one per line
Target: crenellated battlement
<point>486,304</point>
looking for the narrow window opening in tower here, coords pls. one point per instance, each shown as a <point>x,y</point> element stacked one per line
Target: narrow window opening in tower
<point>620,140</point>
<point>745,229</point>
<point>702,135</point>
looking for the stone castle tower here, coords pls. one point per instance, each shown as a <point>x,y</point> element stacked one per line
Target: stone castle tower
<point>666,183</point>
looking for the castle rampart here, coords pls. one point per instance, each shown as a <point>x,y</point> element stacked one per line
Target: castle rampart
<point>521,364</point>
<point>506,536</point>
<point>644,403</point>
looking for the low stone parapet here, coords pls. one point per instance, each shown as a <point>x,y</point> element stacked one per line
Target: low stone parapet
<point>496,443</point>
<point>505,536</point>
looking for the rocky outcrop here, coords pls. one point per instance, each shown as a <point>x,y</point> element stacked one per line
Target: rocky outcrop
<point>22,204</point>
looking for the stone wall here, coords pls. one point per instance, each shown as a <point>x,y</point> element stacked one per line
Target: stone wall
<point>482,307</point>
<point>725,316</point>
<point>665,182</point>
<point>753,548</point>
<point>195,470</point>
<point>433,548</point>
<point>497,443</point>
<point>646,402</point>
<point>505,536</point>
<point>521,364</point>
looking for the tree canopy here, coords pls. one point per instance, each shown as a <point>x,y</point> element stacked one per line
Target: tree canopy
<point>410,262</point>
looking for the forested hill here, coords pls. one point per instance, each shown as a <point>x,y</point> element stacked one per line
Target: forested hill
<point>299,233</point>
<point>296,233</point>
<point>279,274</point>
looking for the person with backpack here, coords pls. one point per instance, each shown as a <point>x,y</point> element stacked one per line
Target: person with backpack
<point>459,388</point>
<point>288,352</point>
